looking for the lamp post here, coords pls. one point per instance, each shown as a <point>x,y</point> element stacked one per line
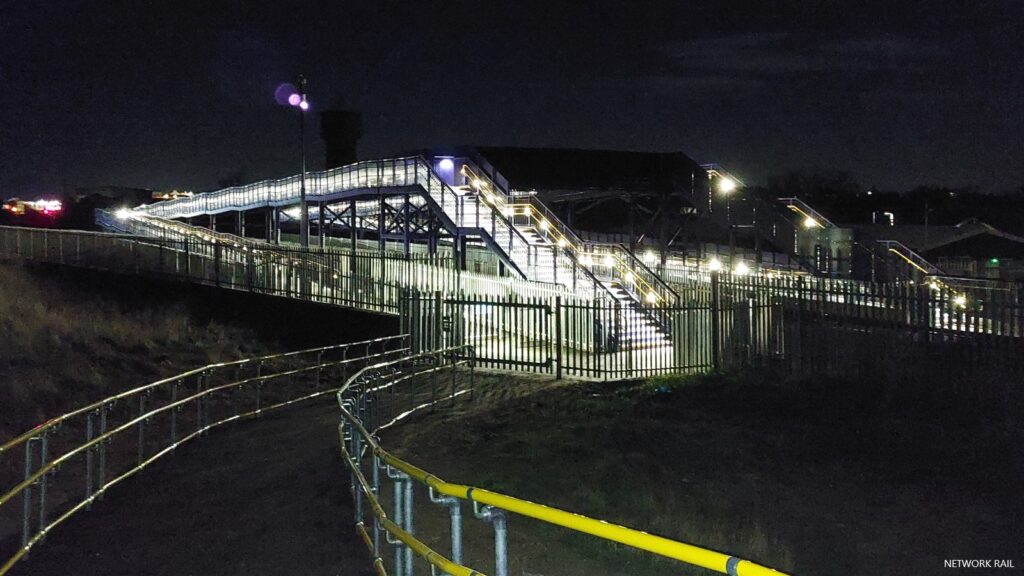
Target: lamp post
<point>726,186</point>
<point>299,101</point>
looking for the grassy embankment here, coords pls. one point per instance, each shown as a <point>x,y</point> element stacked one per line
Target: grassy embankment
<point>812,476</point>
<point>70,337</point>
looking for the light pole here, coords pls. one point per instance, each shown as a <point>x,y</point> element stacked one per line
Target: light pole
<point>299,101</point>
<point>726,186</point>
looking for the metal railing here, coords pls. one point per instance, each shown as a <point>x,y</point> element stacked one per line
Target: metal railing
<point>912,258</point>
<point>70,461</point>
<point>382,395</point>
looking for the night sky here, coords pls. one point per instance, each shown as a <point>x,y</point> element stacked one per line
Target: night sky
<point>179,94</point>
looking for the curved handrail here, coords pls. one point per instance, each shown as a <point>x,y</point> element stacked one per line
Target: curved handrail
<point>201,398</point>
<point>57,420</point>
<point>688,553</point>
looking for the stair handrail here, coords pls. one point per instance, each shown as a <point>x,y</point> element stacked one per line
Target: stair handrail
<point>911,257</point>
<point>568,242</point>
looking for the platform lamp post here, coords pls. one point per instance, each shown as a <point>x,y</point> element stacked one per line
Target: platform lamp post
<point>726,186</point>
<point>298,100</point>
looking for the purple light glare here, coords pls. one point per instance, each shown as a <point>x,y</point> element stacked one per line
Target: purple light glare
<point>283,92</point>
<point>294,99</point>
<point>446,164</point>
<point>304,105</point>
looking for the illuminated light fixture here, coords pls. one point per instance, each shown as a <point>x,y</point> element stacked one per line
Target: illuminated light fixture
<point>960,301</point>
<point>508,212</point>
<point>650,257</point>
<point>810,223</point>
<point>561,242</point>
<point>933,285</point>
<point>335,276</point>
<point>652,297</point>
<point>586,260</point>
<point>446,164</point>
<point>294,99</point>
<point>304,105</point>
<point>608,260</point>
<point>478,183</point>
<point>629,277</point>
<point>714,264</point>
<point>742,269</point>
<point>544,225</point>
<point>123,214</point>
<point>726,185</point>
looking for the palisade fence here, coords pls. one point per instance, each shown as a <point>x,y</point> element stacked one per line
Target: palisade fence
<point>67,463</point>
<point>719,321</point>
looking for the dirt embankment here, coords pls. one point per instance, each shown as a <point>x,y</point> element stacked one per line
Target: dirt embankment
<point>69,337</point>
<point>811,477</point>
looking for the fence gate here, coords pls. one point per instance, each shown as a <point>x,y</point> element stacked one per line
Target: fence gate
<point>505,332</point>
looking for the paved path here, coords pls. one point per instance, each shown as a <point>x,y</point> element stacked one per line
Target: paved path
<point>265,496</point>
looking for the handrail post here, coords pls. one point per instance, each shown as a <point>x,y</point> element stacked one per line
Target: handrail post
<point>376,494</point>
<point>88,459</point>
<point>455,513</point>
<point>26,495</point>
<point>399,519</point>
<point>496,517</point>
<point>174,411</point>
<point>43,456</point>
<point>101,479</point>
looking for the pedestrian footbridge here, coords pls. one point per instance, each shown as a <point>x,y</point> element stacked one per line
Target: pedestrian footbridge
<point>442,205</point>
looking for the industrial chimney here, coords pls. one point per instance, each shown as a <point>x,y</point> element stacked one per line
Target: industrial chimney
<point>341,130</point>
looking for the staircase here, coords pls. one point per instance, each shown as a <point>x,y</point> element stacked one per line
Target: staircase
<point>556,254</point>
<point>523,233</point>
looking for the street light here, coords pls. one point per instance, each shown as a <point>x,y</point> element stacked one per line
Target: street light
<point>298,100</point>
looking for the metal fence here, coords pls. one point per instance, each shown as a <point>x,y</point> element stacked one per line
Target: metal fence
<point>598,340</point>
<point>62,466</point>
<point>427,512</point>
<point>718,321</point>
<point>358,279</point>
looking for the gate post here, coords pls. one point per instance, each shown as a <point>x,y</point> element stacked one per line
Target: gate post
<point>558,337</point>
<point>716,359</point>
<point>437,320</point>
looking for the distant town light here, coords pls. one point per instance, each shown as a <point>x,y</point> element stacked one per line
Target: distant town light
<point>123,214</point>
<point>294,99</point>
<point>304,105</point>
<point>960,301</point>
<point>650,257</point>
<point>742,269</point>
<point>714,264</point>
<point>652,297</point>
<point>726,184</point>
<point>810,223</point>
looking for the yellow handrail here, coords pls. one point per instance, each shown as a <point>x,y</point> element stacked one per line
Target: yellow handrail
<point>688,553</point>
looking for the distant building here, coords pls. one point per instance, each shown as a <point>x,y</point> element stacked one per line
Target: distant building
<point>971,248</point>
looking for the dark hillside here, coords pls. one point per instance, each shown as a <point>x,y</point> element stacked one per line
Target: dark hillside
<point>68,337</point>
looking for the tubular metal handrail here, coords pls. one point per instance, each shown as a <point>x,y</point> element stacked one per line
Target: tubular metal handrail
<point>95,444</point>
<point>57,420</point>
<point>352,429</point>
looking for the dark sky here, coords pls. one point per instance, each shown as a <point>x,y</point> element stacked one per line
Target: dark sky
<point>179,93</point>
